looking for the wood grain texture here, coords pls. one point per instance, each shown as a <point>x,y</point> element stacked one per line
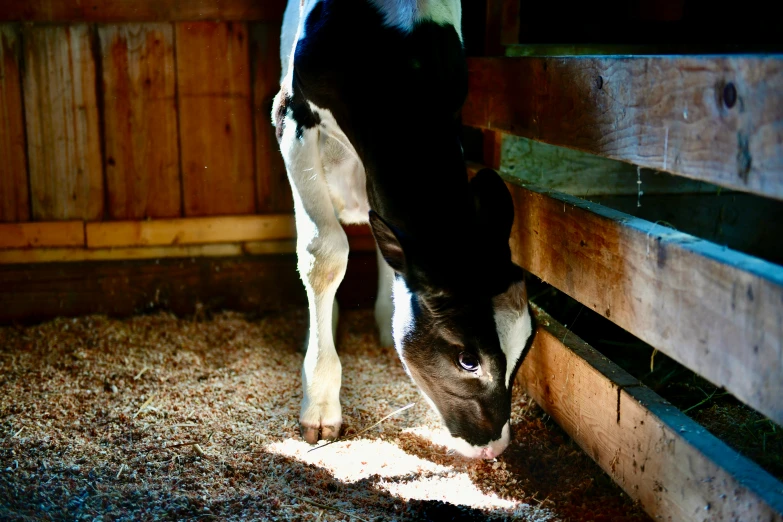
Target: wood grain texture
<point>224,229</point>
<point>14,194</point>
<point>716,119</point>
<point>63,132</point>
<point>273,190</point>
<point>509,27</point>
<point>743,222</point>
<point>122,288</point>
<point>714,310</point>
<point>71,255</point>
<point>140,121</point>
<point>140,10</point>
<point>582,174</point>
<point>247,283</point>
<point>51,234</point>
<point>215,121</point>
<point>660,457</point>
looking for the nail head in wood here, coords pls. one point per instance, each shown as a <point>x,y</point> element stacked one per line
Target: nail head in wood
<point>729,95</point>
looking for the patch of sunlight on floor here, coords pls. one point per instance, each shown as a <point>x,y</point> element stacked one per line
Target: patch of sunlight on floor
<point>401,474</point>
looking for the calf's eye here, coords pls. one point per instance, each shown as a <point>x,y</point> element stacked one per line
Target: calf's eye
<point>468,361</point>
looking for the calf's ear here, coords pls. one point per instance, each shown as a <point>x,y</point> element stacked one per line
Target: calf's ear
<point>495,216</point>
<point>389,242</point>
<point>494,207</point>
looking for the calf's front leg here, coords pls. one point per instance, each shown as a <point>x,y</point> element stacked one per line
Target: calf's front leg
<point>322,257</point>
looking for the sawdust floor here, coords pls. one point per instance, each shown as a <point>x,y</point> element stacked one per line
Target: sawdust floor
<point>156,417</point>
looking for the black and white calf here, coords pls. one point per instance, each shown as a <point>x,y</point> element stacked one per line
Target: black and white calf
<point>368,123</point>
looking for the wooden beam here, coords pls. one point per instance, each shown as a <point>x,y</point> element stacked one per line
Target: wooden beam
<point>14,194</point>
<point>58,242</point>
<point>743,222</point>
<point>714,310</point>
<point>247,283</point>
<point>583,174</point>
<point>216,123</point>
<point>189,231</point>
<point>715,119</point>
<point>509,22</point>
<point>63,130</point>
<point>670,464</point>
<point>74,255</point>
<point>51,234</point>
<point>140,121</point>
<point>122,288</point>
<point>140,10</point>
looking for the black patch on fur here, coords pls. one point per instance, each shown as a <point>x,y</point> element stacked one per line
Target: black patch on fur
<point>300,113</point>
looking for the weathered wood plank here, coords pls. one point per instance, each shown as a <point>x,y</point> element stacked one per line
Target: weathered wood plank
<point>58,241</point>
<point>63,132</point>
<point>743,222</point>
<point>509,28</point>
<point>716,119</point>
<point>223,229</point>
<point>71,255</point>
<point>14,194</point>
<point>52,234</point>
<point>122,288</point>
<point>273,190</point>
<point>140,10</point>
<point>582,174</point>
<point>714,310</point>
<point>216,123</point>
<point>249,283</point>
<point>140,115</point>
<point>673,466</point>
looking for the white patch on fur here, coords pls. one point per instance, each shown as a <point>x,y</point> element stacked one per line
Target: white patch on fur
<point>490,451</point>
<point>384,307</point>
<point>293,30</point>
<point>512,320</point>
<point>402,324</point>
<point>402,319</point>
<point>404,14</point>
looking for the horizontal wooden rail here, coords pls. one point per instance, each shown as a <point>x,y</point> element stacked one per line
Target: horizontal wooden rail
<point>670,464</point>
<point>189,231</point>
<point>70,255</point>
<point>716,311</point>
<point>42,234</point>
<point>715,119</point>
<point>580,173</point>
<point>226,236</point>
<point>139,10</point>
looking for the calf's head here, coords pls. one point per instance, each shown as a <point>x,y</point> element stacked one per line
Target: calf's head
<point>461,321</point>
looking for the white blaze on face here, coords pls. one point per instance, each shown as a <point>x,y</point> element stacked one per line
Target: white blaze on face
<point>402,318</point>
<point>512,320</point>
<point>402,324</point>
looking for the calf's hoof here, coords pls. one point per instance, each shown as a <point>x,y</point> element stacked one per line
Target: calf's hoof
<point>312,434</point>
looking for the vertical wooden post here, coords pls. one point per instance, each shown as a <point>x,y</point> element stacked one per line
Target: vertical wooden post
<point>502,26</point>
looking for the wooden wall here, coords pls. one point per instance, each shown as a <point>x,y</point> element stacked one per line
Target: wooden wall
<point>133,133</point>
<point>139,121</point>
